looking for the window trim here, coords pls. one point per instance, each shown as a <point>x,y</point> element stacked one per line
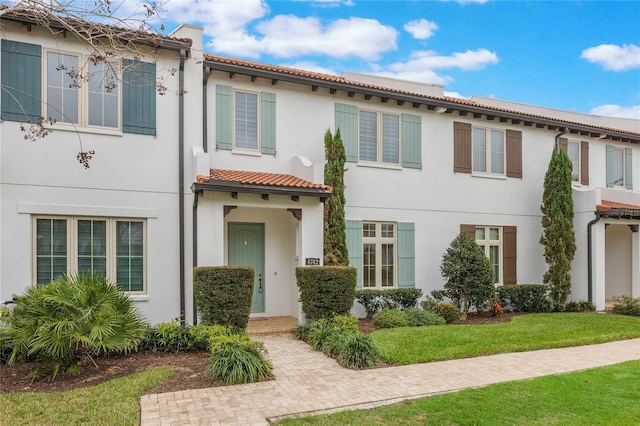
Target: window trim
<point>83,95</point>
<point>488,152</point>
<point>379,140</point>
<point>72,245</point>
<point>379,240</point>
<point>248,151</point>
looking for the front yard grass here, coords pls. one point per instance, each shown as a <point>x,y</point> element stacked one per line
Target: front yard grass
<point>411,345</point>
<point>600,396</point>
<point>110,403</point>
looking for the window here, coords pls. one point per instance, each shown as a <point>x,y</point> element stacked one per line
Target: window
<point>488,151</point>
<point>114,248</point>
<point>85,95</point>
<point>378,247</point>
<point>489,238</point>
<point>246,121</point>
<point>379,137</point>
<point>573,151</point>
<point>619,167</point>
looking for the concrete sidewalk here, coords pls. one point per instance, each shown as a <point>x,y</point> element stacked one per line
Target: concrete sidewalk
<point>308,382</point>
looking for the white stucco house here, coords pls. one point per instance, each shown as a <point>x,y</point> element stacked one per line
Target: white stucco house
<point>231,172</point>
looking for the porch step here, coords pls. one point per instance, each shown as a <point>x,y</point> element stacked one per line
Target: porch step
<point>269,326</point>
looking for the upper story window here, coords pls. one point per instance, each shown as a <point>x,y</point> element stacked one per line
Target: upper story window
<point>573,151</point>
<point>74,89</point>
<point>619,167</point>
<point>379,137</point>
<point>83,94</point>
<point>578,153</point>
<point>379,258</point>
<point>246,121</point>
<point>488,151</point>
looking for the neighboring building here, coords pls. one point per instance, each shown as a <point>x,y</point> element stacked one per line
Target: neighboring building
<point>231,173</point>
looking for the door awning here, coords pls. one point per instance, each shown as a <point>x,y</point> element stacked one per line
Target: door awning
<point>249,182</point>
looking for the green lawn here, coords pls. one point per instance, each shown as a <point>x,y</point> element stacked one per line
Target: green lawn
<point>110,403</point>
<point>410,345</point>
<point>600,396</point>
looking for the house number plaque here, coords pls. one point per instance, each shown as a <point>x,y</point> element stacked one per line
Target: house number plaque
<point>312,261</point>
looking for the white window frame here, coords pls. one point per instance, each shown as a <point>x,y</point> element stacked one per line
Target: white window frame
<point>111,249</point>
<point>379,240</point>
<point>380,138</point>
<point>487,243</point>
<point>83,94</point>
<point>619,151</point>
<point>488,151</point>
<point>235,148</point>
<point>575,167</point>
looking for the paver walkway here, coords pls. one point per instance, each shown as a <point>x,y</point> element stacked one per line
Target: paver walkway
<point>307,381</point>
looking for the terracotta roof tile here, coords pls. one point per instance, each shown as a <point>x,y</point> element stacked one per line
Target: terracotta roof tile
<point>261,178</point>
<point>606,205</point>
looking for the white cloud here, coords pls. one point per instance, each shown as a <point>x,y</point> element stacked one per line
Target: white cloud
<point>428,59</point>
<point>617,111</point>
<point>455,95</point>
<point>612,57</point>
<point>288,35</point>
<point>421,29</point>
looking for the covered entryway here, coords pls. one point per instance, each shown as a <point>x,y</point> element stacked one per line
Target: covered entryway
<point>272,222</point>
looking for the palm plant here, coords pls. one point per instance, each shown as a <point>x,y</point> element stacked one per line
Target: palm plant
<point>70,321</point>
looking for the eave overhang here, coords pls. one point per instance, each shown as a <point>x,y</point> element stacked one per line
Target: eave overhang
<point>242,188</point>
<point>450,105</point>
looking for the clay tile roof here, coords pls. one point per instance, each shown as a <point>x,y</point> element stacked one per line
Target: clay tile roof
<point>261,179</point>
<point>606,205</point>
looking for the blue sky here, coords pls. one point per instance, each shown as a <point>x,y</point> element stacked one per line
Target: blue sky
<point>581,56</point>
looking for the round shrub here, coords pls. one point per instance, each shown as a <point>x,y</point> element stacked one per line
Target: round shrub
<point>357,351</point>
<point>626,305</point>
<point>390,318</point>
<point>417,317</point>
<point>326,290</point>
<point>448,311</point>
<point>237,359</point>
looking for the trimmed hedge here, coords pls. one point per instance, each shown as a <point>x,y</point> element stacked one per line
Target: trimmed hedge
<point>326,290</point>
<point>525,298</point>
<point>223,294</point>
<point>626,305</point>
<point>399,298</point>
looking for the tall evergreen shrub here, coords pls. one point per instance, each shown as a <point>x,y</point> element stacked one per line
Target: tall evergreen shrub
<point>335,238</point>
<point>223,294</point>
<point>558,237</point>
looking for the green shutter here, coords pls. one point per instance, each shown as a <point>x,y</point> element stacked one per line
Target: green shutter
<point>406,255</point>
<point>354,247</point>
<point>21,81</point>
<point>224,114</point>
<point>628,168</point>
<point>411,141</point>
<point>139,97</point>
<point>268,123</point>
<point>610,150</point>
<point>347,122</point>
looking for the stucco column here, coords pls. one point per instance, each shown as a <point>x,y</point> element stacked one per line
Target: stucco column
<point>598,265</point>
<point>635,263</point>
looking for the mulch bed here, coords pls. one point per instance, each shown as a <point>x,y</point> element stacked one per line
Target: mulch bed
<point>189,367</point>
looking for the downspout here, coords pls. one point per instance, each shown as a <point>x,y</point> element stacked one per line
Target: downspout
<point>196,197</point>
<point>183,54</point>
<point>590,256</point>
<point>563,131</point>
<point>205,80</point>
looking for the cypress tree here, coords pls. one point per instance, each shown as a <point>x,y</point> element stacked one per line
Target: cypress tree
<point>558,237</point>
<point>335,238</point>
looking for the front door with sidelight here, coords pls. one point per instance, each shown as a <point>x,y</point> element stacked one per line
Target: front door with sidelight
<point>246,248</point>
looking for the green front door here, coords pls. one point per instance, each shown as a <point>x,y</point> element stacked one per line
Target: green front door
<point>246,248</point>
